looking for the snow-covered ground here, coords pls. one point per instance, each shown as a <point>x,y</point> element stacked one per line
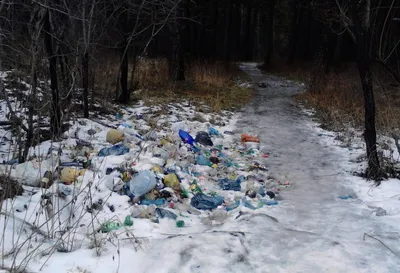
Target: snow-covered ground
<point>326,219</point>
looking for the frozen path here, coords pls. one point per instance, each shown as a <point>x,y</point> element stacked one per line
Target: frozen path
<point>315,231</point>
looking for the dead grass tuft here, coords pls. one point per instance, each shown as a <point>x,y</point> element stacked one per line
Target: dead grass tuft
<point>338,97</point>
<point>212,83</point>
<point>9,188</point>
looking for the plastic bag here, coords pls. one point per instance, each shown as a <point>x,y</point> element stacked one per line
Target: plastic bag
<point>119,149</point>
<point>114,136</point>
<point>248,138</point>
<point>186,137</point>
<point>213,132</point>
<point>31,172</point>
<point>204,138</point>
<point>143,212</point>
<point>203,160</point>
<point>163,213</point>
<point>69,175</point>
<point>232,206</point>
<point>229,185</point>
<point>206,202</point>
<point>141,183</point>
<point>172,181</point>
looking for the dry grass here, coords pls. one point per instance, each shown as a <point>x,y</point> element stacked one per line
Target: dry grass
<point>212,83</point>
<point>338,97</point>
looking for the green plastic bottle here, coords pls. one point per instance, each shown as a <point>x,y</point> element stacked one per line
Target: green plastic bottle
<point>128,221</point>
<point>180,223</point>
<point>110,226</point>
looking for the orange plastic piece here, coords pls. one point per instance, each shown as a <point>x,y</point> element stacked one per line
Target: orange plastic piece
<point>248,138</point>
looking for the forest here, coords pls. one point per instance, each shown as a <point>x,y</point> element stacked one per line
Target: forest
<point>199,136</point>
<point>78,44</point>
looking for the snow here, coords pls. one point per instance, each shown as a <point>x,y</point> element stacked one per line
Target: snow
<point>310,230</point>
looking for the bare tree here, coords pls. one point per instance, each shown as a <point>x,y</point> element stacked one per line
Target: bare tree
<point>55,113</point>
<point>355,16</point>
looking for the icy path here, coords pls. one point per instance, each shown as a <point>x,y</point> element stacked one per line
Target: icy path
<point>315,232</point>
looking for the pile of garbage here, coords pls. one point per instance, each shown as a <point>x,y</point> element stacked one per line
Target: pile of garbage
<point>190,172</point>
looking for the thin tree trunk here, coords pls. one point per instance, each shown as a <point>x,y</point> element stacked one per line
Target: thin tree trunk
<point>31,108</point>
<point>270,32</point>
<point>134,63</point>
<point>247,43</point>
<point>55,113</point>
<point>296,9</point>
<point>85,84</point>
<point>363,62</point>
<point>123,80</point>
<point>176,63</point>
<point>337,52</point>
<point>228,22</point>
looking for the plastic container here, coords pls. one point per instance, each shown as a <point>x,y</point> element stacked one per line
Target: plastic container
<point>157,202</point>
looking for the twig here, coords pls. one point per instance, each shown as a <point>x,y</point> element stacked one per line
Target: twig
<point>33,227</point>
<point>366,234</point>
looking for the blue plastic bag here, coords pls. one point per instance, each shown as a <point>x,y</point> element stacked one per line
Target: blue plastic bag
<point>206,202</point>
<point>232,206</point>
<point>186,137</point>
<point>203,160</point>
<point>118,149</point>
<point>141,183</point>
<point>213,132</point>
<point>163,213</point>
<point>248,204</point>
<point>269,202</point>
<point>229,185</point>
<point>126,125</point>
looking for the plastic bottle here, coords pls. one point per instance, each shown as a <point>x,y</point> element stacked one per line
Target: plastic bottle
<point>157,202</point>
<point>128,221</point>
<point>110,226</point>
<point>269,202</point>
<point>180,223</point>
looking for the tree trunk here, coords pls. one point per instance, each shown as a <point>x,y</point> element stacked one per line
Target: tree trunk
<point>31,107</point>
<point>123,78</point>
<point>55,112</point>
<point>228,22</point>
<point>296,10</point>
<point>85,84</point>
<point>337,52</point>
<point>363,63</point>
<point>270,32</point>
<point>247,43</point>
<point>176,63</point>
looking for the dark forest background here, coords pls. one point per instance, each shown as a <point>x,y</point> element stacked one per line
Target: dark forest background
<point>93,48</point>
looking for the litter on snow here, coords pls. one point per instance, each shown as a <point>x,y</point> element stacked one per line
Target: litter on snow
<point>134,174</point>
